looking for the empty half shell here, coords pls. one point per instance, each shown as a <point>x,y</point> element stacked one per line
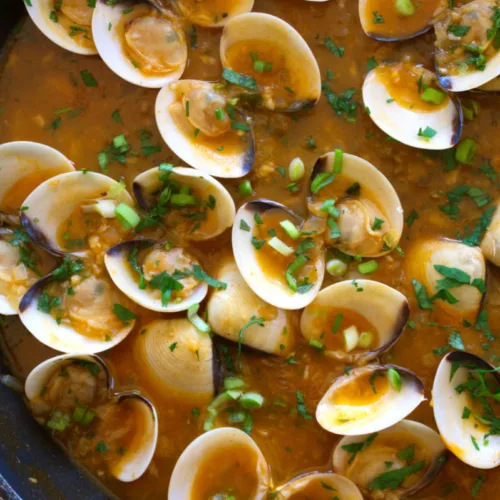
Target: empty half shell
<point>201,126</point>
<point>156,276</point>
<point>408,104</point>
<point>354,326</point>
<point>362,212</point>
<point>370,460</point>
<point>229,310</point>
<point>263,54</point>
<point>198,206</point>
<point>230,458</point>
<point>396,21</point>
<point>68,25</point>
<point>177,359</point>
<point>139,44</point>
<point>71,393</point>
<point>280,264</point>
<point>464,395</point>
<point>213,13</point>
<point>320,486</point>
<point>490,246</point>
<point>369,399</point>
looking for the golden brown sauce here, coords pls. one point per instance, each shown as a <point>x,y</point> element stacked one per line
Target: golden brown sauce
<point>75,18</point>
<point>366,389</point>
<point>316,489</point>
<point>231,470</point>
<point>290,444</point>
<point>384,19</point>
<point>207,11</point>
<point>405,85</point>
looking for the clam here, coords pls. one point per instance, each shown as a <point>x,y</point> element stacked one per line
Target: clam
<point>353,326</point>
<point>201,126</point>
<point>74,393</point>
<point>75,211</point>
<point>263,54</point>
<point>320,486</point>
<point>492,87</point>
<point>177,359</point>
<point>467,54</point>
<point>76,309</point>
<point>369,399</point>
<point>139,43</point>
<point>362,211</point>
<point>276,255</point>
<point>159,277</point>
<point>401,459</point>
<point>398,20</point>
<point>218,464</point>
<point>212,13</point>
<point>65,23</point>
<point>193,203</point>
<point>408,104</point>
<point>450,273</point>
<point>465,402</point>
<point>490,246</point>
<point>229,310</point>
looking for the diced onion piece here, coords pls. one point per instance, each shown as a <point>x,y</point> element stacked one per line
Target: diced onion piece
<point>336,267</point>
<point>433,96</point>
<point>127,216</point>
<point>251,401</point>
<point>280,246</point>
<point>232,383</point>
<point>290,229</point>
<point>368,267</point>
<point>105,208</point>
<point>366,339</point>
<point>296,169</point>
<point>351,338</point>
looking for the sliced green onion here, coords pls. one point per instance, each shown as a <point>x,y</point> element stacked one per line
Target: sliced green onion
<point>280,246</point>
<point>58,421</point>
<point>120,142</point>
<point>245,188</point>
<point>87,418</point>
<point>290,229</point>
<point>336,267</point>
<point>466,150</point>
<point>78,414</point>
<point>195,320</point>
<point>316,344</point>
<point>368,267</point>
<point>338,161</point>
<point>105,208</point>
<point>328,206</point>
<point>296,169</point>
<point>219,114</point>
<point>127,216</point>
<point>351,338</point>
<point>187,107</point>
<point>262,67</point>
<point>394,379</point>
<point>297,264</point>
<point>183,200</point>
<point>365,339</point>
<point>405,7</point>
<point>468,113</point>
<point>232,383</point>
<point>322,180</point>
<point>251,401</point>
<point>433,96</point>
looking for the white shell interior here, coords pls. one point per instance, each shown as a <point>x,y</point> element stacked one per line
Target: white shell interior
<point>386,410</point>
<point>276,294</point>
<point>341,486</point>
<point>457,432</point>
<point>185,471</point>
<point>403,124</point>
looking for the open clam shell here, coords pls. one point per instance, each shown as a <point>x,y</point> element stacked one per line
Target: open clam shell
<point>277,59</point>
<point>361,194</point>
<point>153,260</point>
<point>230,457</point>
<point>230,309</point>
<point>426,262</point>
<point>139,44</point>
<point>466,57</point>
<point>369,399</point>
<point>210,213</point>
<point>143,435</point>
<point>320,486</point>
<point>213,13</point>
<point>68,26</point>
<point>79,318</point>
<point>369,322</point>
<point>177,359</point>
<point>222,147</point>
<point>399,109</point>
<point>464,408</point>
<point>25,165</point>
<point>267,271</point>
<point>384,22</point>
<point>424,451</point>
<point>53,203</point>
<point>490,245</point>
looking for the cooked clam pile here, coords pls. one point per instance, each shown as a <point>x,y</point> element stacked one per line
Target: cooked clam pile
<point>87,261</point>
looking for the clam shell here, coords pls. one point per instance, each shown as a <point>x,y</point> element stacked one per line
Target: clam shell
<point>230,8</point>
<point>185,471</point>
<point>380,304</point>
<point>386,410</point>
<point>490,246</point>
